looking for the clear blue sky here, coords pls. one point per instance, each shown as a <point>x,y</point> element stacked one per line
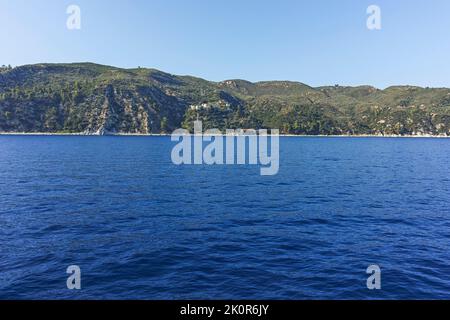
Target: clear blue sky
<point>317,42</point>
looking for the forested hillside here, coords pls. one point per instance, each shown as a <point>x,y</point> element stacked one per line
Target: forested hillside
<point>95,99</point>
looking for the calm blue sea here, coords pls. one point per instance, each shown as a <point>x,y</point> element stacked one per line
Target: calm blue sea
<point>140,227</point>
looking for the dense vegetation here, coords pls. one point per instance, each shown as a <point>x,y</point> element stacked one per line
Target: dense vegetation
<point>95,99</point>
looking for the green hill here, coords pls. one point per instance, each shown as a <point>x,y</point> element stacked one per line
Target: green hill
<point>96,99</point>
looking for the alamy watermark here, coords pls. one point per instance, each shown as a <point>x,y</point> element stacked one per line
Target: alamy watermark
<point>374,280</point>
<point>74,20</point>
<point>374,19</point>
<point>231,148</point>
<point>74,280</point>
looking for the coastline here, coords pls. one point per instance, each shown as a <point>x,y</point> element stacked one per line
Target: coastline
<point>168,135</point>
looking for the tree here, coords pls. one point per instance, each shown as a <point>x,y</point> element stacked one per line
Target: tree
<point>164,126</point>
<point>51,119</point>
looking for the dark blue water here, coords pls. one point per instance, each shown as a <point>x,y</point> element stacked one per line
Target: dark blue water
<point>142,228</point>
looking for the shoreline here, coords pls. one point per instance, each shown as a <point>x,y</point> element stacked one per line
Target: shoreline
<point>169,135</point>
